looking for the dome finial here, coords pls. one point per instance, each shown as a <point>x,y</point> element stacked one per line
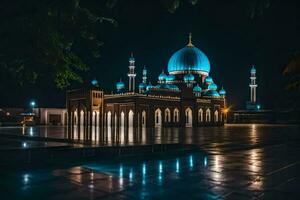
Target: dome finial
<point>190,40</point>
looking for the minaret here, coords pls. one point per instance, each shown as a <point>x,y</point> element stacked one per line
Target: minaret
<point>131,74</point>
<point>145,75</point>
<point>253,85</point>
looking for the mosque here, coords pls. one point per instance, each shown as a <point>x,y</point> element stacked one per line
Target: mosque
<point>185,95</point>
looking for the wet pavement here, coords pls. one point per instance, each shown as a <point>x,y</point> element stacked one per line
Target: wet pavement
<point>235,162</point>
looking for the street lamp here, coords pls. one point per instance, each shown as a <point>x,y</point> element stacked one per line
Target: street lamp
<point>32,104</point>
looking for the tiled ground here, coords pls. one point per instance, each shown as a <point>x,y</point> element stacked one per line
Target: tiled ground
<point>238,162</point>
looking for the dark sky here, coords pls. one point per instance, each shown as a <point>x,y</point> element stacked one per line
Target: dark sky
<point>223,30</point>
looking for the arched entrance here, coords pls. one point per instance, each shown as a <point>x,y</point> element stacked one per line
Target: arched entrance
<point>167,115</point>
<point>109,119</point>
<point>207,115</point>
<point>188,117</point>
<point>200,115</point>
<point>144,118</point>
<point>216,116</point>
<point>122,120</point>
<point>176,115</point>
<point>157,116</point>
<point>130,118</point>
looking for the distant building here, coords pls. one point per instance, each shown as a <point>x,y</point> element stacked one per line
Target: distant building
<point>51,116</point>
<point>252,104</point>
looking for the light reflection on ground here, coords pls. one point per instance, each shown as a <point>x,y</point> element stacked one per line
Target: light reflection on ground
<point>236,162</point>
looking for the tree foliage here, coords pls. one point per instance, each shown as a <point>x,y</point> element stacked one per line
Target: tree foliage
<point>44,39</point>
<point>292,72</point>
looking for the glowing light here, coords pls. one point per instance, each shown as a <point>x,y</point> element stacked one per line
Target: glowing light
<point>205,161</point>
<point>24,144</point>
<point>177,166</point>
<point>131,175</point>
<point>144,174</point>
<point>144,169</point>
<point>26,178</point>
<point>160,167</point>
<point>32,103</point>
<point>31,131</point>
<point>191,161</point>
<point>121,171</point>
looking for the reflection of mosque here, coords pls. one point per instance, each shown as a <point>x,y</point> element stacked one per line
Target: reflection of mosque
<point>184,96</point>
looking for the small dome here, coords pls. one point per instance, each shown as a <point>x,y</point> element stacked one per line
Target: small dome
<point>170,77</point>
<point>197,88</point>
<point>142,85</point>
<point>120,85</point>
<point>94,82</point>
<point>212,86</point>
<point>189,77</point>
<point>162,76</point>
<point>149,86</point>
<point>208,80</point>
<point>222,92</point>
<point>211,93</point>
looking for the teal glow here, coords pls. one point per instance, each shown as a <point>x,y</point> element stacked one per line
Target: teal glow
<point>177,165</point>
<point>222,92</point>
<point>32,103</point>
<point>191,161</point>
<point>205,161</point>
<point>142,85</point>
<point>94,82</point>
<point>189,59</point>
<point>197,88</point>
<point>258,107</point>
<point>253,70</point>
<point>211,93</point>
<point>212,86</point>
<point>149,86</point>
<point>189,77</point>
<point>170,77</point>
<point>131,175</point>
<point>208,79</point>
<point>121,171</point>
<point>120,85</point>
<point>162,76</point>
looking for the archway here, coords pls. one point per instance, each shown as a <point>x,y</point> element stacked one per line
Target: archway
<point>109,119</point>
<point>216,114</point>
<point>188,117</point>
<point>200,115</point>
<point>122,120</point>
<point>157,116</point>
<point>207,115</point>
<point>130,118</point>
<point>176,115</point>
<point>167,115</point>
<point>144,118</point>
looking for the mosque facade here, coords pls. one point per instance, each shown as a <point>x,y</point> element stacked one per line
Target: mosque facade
<point>185,95</point>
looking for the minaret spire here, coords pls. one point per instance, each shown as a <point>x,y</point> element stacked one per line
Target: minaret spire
<point>253,84</point>
<point>131,74</point>
<point>190,40</point>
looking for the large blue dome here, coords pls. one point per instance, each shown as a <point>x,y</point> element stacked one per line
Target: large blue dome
<point>189,60</point>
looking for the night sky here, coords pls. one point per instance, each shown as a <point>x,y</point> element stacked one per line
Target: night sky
<point>223,30</point>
